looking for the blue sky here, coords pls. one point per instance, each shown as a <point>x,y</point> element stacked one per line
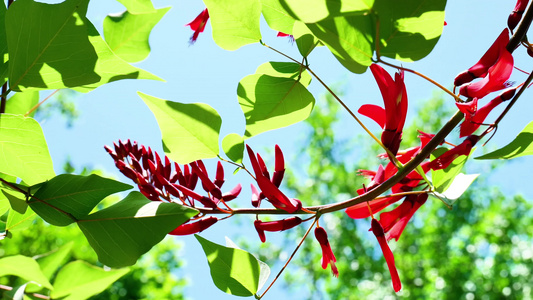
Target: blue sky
<point>205,73</point>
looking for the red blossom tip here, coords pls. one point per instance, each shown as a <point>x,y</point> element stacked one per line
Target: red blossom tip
<point>194,227</point>
<point>327,254</point>
<point>377,230</point>
<point>198,25</point>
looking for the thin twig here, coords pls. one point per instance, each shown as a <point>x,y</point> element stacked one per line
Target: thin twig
<point>290,258</point>
<point>39,104</point>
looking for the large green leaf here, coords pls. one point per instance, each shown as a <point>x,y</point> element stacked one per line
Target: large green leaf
<point>127,34</point>
<point>350,39</point>
<point>276,16</point>
<point>74,195</point>
<point>80,280</point>
<point>312,11</point>
<point>272,102</point>
<point>23,150</point>
<point>235,23</point>
<point>3,45</point>
<point>442,179</point>
<point>51,35</point>
<point>190,131</point>
<point>138,6</point>
<point>21,103</point>
<point>522,145</point>
<point>54,46</point>
<point>286,70</point>
<point>23,267</point>
<point>409,29</point>
<point>123,232</point>
<point>233,271</point>
<point>109,66</point>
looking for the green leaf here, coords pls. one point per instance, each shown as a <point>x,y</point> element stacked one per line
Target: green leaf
<point>410,29</point>
<point>80,280</point>
<point>4,56</point>
<point>442,179</point>
<point>109,66</point>
<point>72,194</point>
<point>312,11</point>
<point>233,146</point>
<point>285,70</point>
<point>350,39</point>
<point>37,34</point>
<point>235,23</point>
<point>460,184</point>
<point>272,102</point>
<point>50,262</point>
<point>190,131</point>
<point>522,145</point>
<point>127,34</point>
<point>264,271</point>
<point>20,217</point>
<point>123,232</point>
<point>305,40</point>
<point>233,271</point>
<point>24,151</point>
<point>276,16</point>
<point>138,6</point>
<point>21,103</point>
<point>25,268</point>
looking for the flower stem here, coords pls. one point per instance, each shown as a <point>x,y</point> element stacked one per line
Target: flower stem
<point>40,103</point>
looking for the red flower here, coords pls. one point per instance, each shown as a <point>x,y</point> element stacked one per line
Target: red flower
<point>395,220</point>
<point>198,25</point>
<point>490,57</point>
<point>443,161</point>
<point>392,118</point>
<point>389,257</point>
<point>268,188</point>
<point>279,225</point>
<point>195,227</point>
<point>517,13</point>
<point>328,258</point>
<point>474,117</point>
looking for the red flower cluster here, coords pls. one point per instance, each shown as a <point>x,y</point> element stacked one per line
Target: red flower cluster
<point>160,181</point>
<point>270,187</point>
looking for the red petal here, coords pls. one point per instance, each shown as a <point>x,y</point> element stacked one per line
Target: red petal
<point>374,112</point>
<point>360,211</point>
<point>387,253</point>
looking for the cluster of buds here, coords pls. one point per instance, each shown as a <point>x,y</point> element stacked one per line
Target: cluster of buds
<point>162,180</point>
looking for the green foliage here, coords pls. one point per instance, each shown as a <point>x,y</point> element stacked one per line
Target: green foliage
<point>233,270</point>
<point>80,280</point>
<point>522,145</point>
<point>313,11</point>
<point>266,108</point>
<point>3,45</point>
<point>25,153</point>
<point>120,234</point>
<point>233,146</point>
<point>127,34</point>
<point>442,179</point>
<point>138,6</point>
<point>67,198</point>
<point>276,16</point>
<point>24,267</point>
<point>21,103</point>
<point>235,23</point>
<point>190,131</point>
